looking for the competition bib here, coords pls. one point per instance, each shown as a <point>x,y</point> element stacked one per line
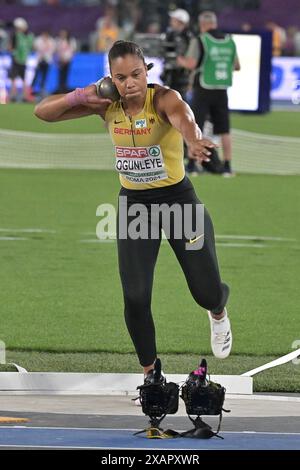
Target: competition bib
<point>140,164</point>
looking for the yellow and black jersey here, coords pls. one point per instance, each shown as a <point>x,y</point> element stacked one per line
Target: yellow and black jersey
<point>148,150</point>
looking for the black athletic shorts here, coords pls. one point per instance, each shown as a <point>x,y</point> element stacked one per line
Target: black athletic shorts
<point>212,105</point>
<point>17,70</point>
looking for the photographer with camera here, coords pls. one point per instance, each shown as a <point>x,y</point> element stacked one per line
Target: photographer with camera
<point>213,58</point>
<point>177,40</point>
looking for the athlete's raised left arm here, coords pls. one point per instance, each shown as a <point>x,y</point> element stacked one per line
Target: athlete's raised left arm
<point>177,112</point>
<point>79,103</point>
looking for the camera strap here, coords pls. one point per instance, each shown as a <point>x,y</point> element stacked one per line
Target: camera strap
<point>201,430</point>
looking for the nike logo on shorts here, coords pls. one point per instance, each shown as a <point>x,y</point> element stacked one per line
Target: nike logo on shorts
<point>193,240</point>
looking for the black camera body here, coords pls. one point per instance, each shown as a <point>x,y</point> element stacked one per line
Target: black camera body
<point>202,397</point>
<point>175,44</point>
<point>159,399</point>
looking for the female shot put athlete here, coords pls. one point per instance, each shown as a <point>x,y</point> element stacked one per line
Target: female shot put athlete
<point>147,126</point>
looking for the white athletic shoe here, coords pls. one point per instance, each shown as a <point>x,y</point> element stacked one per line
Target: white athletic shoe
<point>221,336</point>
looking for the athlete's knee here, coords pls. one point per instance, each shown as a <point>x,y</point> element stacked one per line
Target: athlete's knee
<point>210,300</point>
<point>211,304</point>
<point>137,301</point>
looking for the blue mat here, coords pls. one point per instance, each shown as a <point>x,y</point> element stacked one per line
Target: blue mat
<point>124,439</point>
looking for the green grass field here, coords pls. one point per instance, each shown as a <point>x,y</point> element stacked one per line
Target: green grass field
<point>20,117</point>
<point>61,299</point>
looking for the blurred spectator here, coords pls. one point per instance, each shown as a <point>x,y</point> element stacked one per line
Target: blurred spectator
<point>129,14</point>
<point>67,3</point>
<point>289,46</point>
<point>21,45</point>
<point>278,37</point>
<point>44,46</point>
<point>246,27</point>
<point>153,28</point>
<point>65,49</point>
<point>31,3</point>
<point>176,44</point>
<point>3,37</point>
<point>213,57</point>
<point>297,43</point>
<point>177,40</point>
<point>107,32</point>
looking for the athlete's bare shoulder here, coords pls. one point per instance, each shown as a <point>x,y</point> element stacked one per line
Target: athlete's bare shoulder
<point>162,95</point>
<point>163,91</point>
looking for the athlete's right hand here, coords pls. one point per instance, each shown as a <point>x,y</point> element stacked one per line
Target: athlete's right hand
<point>94,101</point>
<point>199,149</point>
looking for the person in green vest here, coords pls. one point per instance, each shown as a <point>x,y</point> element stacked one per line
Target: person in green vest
<point>21,46</point>
<point>213,58</point>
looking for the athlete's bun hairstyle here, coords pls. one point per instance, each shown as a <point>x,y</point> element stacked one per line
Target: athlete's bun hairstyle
<point>123,48</point>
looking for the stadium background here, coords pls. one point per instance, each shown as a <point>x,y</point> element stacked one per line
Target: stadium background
<point>61,300</point>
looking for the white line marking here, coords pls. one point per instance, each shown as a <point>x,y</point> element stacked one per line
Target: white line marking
<point>230,237</point>
<point>257,237</point>
<point>243,245</point>
<point>22,446</point>
<point>72,136</point>
<point>283,398</point>
<point>134,430</point>
<point>254,238</point>
<point>99,448</point>
<point>96,240</point>
<point>277,362</point>
<point>93,233</point>
<point>12,239</point>
<point>27,230</point>
<point>262,432</point>
<point>73,429</point>
<point>226,245</point>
